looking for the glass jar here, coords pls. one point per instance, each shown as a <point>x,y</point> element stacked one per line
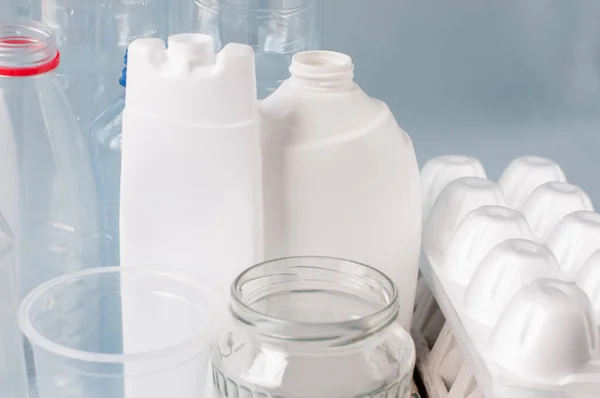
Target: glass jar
<point>314,327</point>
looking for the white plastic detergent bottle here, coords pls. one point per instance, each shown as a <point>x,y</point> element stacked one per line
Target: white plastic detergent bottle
<point>340,177</point>
<point>190,174</point>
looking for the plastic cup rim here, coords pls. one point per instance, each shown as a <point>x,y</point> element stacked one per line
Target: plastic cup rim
<point>185,347</point>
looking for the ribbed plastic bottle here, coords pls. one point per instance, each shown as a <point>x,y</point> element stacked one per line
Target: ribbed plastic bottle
<point>190,174</point>
<point>276,29</point>
<point>340,176</point>
<point>105,143</point>
<point>92,36</point>
<point>47,198</point>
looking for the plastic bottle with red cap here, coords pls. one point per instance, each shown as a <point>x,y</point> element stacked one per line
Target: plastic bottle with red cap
<point>47,197</point>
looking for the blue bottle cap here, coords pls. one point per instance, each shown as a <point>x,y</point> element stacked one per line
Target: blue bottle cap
<point>123,79</point>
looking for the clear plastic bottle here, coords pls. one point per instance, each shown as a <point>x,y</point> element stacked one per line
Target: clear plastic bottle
<point>47,200</point>
<point>276,29</point>
<point>199,16</point>
<point>105,144</point>
<point>92,36</point>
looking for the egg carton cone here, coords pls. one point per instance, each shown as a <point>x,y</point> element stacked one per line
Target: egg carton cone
<point>508,305</point>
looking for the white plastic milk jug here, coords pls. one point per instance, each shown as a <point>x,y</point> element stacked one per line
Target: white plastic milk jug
<point>340,176</point>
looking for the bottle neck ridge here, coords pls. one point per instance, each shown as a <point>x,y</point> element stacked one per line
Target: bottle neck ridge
<point>324,70</point>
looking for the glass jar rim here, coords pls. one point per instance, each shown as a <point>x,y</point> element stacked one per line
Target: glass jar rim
<point>334,333</point>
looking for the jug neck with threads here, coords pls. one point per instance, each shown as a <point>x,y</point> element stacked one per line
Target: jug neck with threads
<point>322,70</point>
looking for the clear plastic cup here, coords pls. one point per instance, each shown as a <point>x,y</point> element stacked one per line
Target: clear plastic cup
<point>165,345</point>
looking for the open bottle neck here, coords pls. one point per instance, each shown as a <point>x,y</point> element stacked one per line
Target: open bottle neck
<point>322,70</point>
<point>27,49</point>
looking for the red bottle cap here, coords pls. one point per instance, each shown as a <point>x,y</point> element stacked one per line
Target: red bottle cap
<point>41,68</point>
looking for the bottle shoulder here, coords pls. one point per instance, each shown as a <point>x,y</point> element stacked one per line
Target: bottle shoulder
<point>297,118</point>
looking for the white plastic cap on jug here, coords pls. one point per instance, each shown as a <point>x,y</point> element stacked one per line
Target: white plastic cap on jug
<point>190,180</point>
<point>340,177</point>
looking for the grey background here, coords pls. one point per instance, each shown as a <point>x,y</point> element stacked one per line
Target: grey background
<point>494,79</point>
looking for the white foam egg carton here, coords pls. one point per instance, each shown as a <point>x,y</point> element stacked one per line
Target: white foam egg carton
<point>440,362</point>
<point>514,266</point>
